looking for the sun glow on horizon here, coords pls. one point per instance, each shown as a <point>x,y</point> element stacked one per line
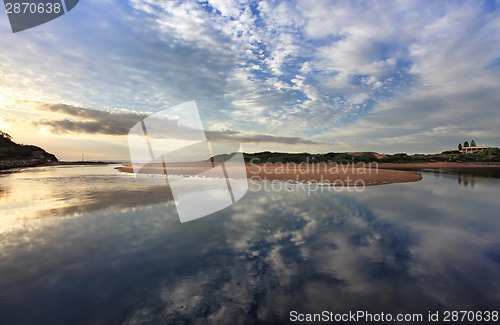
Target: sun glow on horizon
<point>43,130</point>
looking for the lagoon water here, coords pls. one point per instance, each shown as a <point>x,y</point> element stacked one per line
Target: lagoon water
<point>88,245</point>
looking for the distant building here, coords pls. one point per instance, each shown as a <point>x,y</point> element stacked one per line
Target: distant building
<point>472,149</point>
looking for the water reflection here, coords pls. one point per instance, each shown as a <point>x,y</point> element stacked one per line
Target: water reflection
<point>467,177</point>
<point>64,191</point>
<point>412,247</point>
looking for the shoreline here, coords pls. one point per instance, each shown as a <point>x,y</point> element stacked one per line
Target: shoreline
<point>330,175</point>
<point>333,174</point>
<point>438,165</point>
<point>22,163</point>
<point>9,165</point>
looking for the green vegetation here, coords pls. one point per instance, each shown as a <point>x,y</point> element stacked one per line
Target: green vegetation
<point>9,150</point>
<point>488,155</point>
<point>281,157</point>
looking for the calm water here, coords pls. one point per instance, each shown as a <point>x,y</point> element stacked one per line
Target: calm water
<point>87,245</point>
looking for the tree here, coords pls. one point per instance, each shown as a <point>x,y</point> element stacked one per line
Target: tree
<point>472,143</point>
<point>466,144</point>
<point>5,135</point>
<point>459,146</point>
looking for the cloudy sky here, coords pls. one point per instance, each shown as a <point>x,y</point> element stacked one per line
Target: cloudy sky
<point>317,76</point>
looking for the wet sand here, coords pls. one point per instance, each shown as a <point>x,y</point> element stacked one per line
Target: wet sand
<point>331,174</point>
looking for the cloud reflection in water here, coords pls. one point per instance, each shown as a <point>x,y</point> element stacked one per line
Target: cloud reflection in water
<point>397,248</point>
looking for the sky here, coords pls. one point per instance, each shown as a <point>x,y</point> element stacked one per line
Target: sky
<point>296,76</point>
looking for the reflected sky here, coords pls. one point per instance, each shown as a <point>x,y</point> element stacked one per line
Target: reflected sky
<point>124,258</point>
<point>66,191</point>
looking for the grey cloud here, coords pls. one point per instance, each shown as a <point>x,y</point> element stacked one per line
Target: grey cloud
<point>88,120</point>
<point>257,138</point>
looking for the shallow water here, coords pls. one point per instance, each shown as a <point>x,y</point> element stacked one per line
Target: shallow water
<point>88,245</point>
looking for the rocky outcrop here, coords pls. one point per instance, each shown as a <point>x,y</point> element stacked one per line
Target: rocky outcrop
<point>7,164</point>
<point>13,155</point>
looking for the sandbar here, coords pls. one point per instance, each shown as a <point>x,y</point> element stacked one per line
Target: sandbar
<point>326,174</point>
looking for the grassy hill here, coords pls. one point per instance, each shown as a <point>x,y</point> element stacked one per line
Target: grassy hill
<point>9,150</point>
<point>489,155</point>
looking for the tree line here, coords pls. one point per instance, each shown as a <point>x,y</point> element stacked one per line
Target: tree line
<point>488,155</point>
<point>466,145</point>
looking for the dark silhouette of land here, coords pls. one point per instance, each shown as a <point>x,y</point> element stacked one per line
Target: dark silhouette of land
<point>14,155</point>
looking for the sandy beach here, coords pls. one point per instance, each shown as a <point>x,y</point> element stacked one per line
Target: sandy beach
<point>351,174</point>
<point>331,174</point>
